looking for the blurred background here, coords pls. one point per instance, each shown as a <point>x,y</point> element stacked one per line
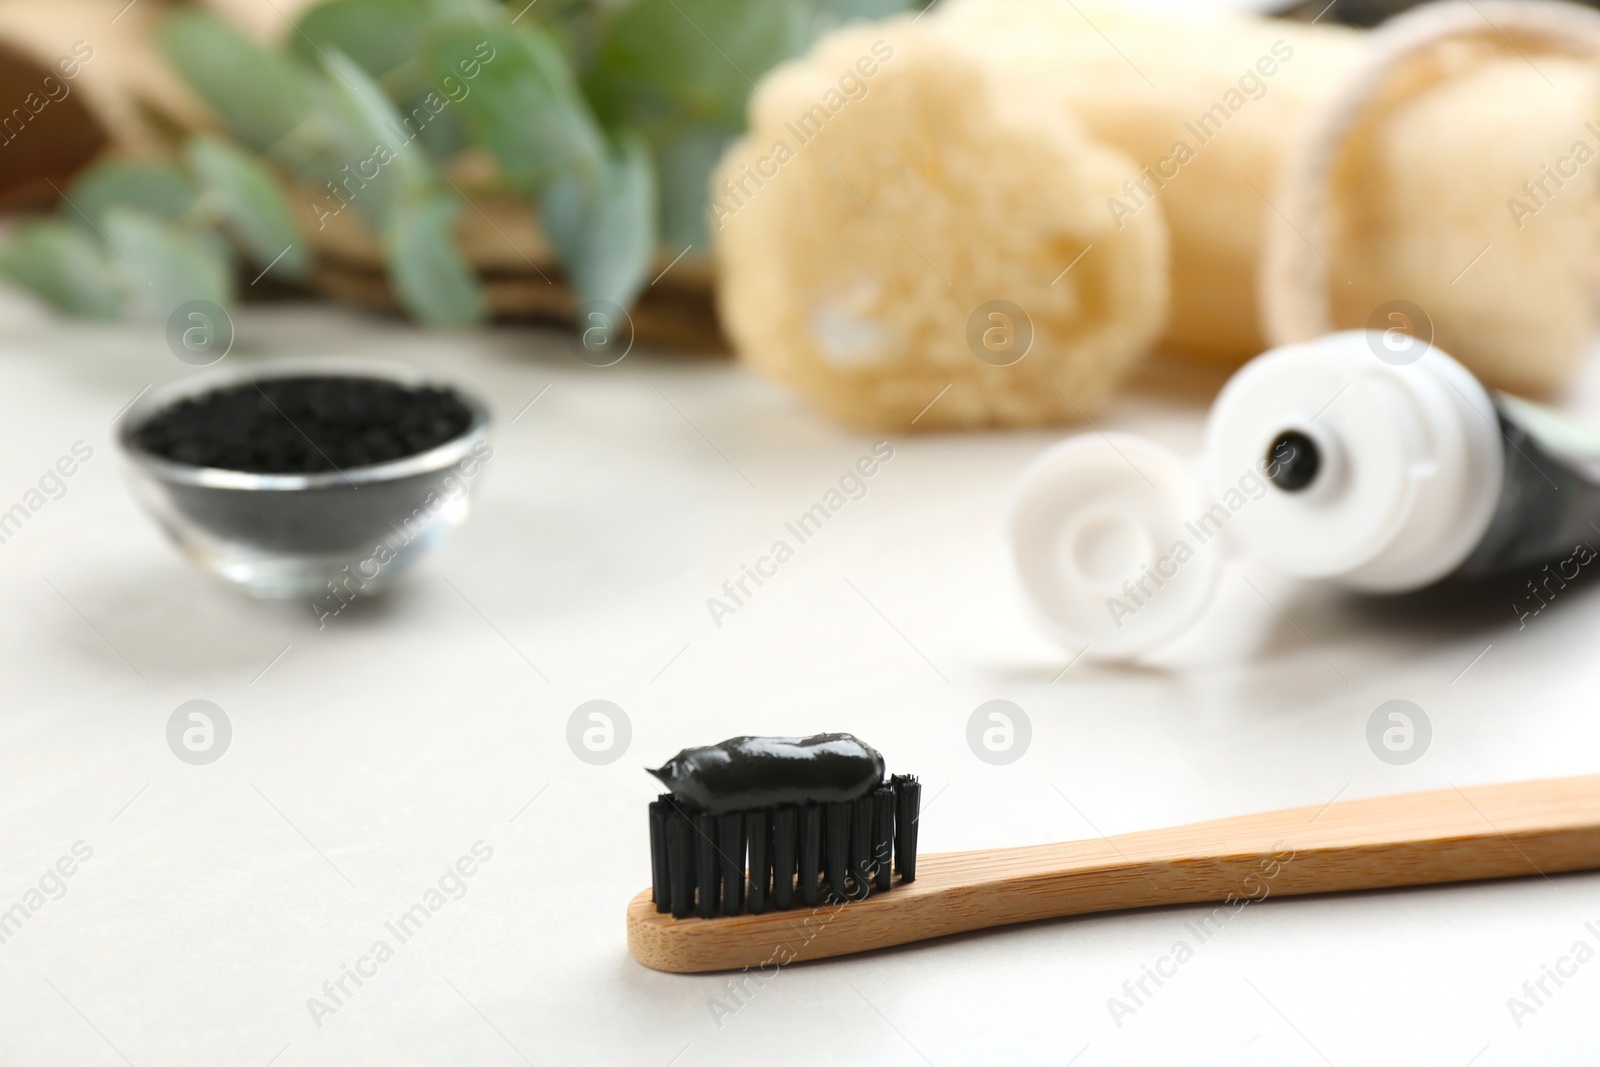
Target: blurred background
<point>606,164</point>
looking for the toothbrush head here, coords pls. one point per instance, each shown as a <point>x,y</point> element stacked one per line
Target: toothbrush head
<point>763,822</point>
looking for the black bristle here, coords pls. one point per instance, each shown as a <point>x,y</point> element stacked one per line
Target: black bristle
<point>882,836</point>
<point>783,857</point>
<point>709,861</point>
<point>680,862</point>
<point>836,848</point>
<point>660,883</point>
<point>861,811</point>
<point>810,853</point>
<point>908,802</point>
<point>706,865</point>
<point>758,830</point>
<point>730,849</point>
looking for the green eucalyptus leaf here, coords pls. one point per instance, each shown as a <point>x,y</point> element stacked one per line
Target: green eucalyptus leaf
<point>379,35</point>
<point>261,95</point>
<point>429,274</point>
<point>390,165</point>
<point>158,186</point>
<point>216,246</point>
<point>827,14</point>
<point>474,10</point>
<point>444,135</point>
<point>694,58</point>
<point>524,107</point>
<point>251,207</point>
<point>685,163</point>
<point>576,26</point>
<point>603,227</point>
<point>317,150</point>
<point>64,265</point>
<point>161,265</point>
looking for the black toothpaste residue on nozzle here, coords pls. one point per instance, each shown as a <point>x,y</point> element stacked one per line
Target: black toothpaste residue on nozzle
<point>761,772</point>
<point>1293,461</point>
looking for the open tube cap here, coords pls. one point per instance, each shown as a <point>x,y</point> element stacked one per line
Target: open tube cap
<point>1111,546</point>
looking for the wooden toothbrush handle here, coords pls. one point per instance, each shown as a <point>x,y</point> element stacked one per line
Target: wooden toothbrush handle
<point>1448,835</point>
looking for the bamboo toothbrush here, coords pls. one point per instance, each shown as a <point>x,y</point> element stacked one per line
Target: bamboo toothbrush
<point>1448,835</point>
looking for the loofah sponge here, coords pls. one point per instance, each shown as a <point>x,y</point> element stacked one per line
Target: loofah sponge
<point>1431,175</point>
<point>1454,170</point>
<point>909,244</point>
<point>1204,105</point>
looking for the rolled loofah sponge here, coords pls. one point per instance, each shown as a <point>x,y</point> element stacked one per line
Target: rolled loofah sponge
<point>910,245</point>
<point>1432,175</point>
<point>1447,186</point>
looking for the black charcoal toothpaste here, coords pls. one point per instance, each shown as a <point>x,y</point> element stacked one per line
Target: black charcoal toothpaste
<point>762,772</point>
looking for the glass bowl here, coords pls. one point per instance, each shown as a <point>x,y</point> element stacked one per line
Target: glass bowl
<point>330,536</point>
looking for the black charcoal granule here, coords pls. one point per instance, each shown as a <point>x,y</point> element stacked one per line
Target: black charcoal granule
<point>307,425</point>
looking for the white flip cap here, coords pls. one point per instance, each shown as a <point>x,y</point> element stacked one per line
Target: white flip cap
<point>1103,538</point>
<point>1411,461</point>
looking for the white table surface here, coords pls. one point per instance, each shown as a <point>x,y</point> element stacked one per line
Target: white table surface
<point>372,754</point>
